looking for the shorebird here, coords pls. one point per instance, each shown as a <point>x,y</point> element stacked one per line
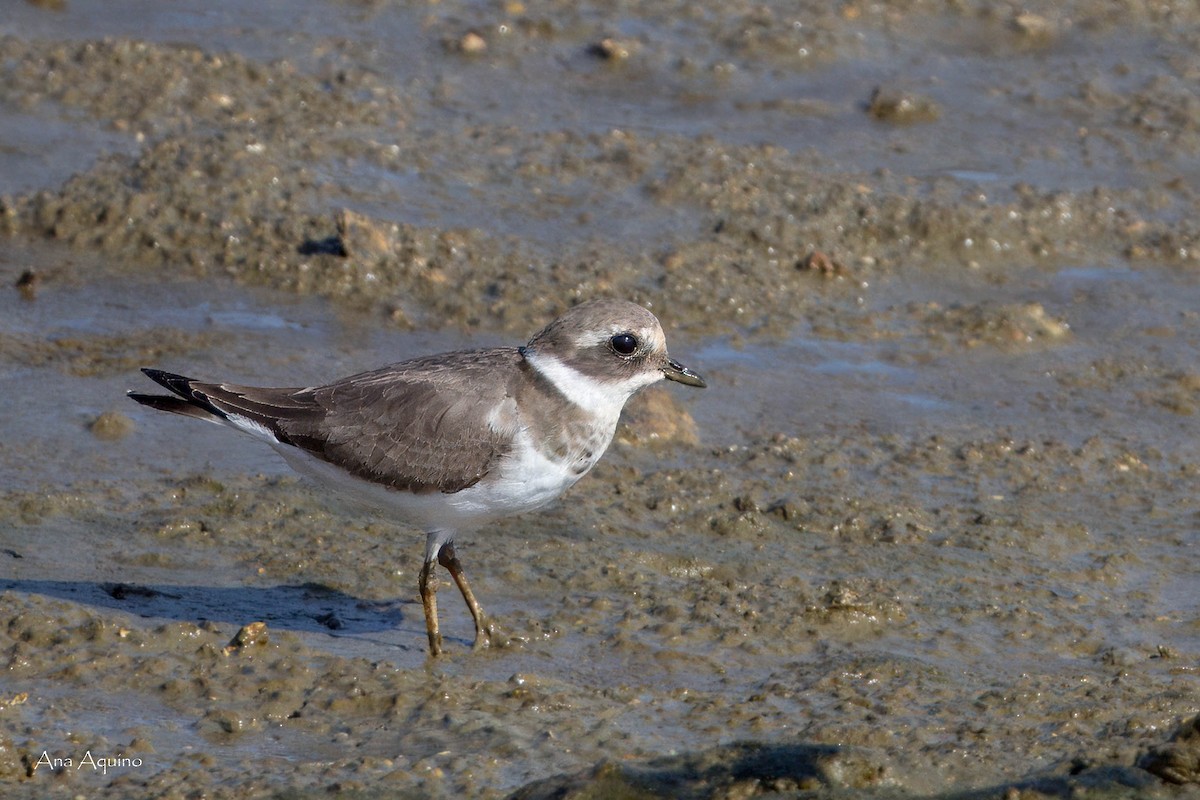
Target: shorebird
<point>452,442</point>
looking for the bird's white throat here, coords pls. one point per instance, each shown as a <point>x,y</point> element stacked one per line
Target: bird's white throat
<point>600,398</point>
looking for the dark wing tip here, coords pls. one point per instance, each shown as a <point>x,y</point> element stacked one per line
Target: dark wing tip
<point>189,401</point>
<point>175,405</point>
<point>179,384</point>
<point>152,400</point>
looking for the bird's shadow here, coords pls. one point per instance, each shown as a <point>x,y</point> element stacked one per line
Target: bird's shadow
<point>303,608</point>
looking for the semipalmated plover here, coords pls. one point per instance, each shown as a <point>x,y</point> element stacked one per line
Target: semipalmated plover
<point>454,441</point>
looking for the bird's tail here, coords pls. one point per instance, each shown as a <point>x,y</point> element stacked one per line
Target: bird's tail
<point>185,399</point>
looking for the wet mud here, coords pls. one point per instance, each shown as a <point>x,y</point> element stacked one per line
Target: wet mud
<point>931,530</point>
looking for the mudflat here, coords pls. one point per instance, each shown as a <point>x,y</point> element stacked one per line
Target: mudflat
<point>930,531</point>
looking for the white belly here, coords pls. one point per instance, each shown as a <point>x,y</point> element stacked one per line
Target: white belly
<point>525,481</point>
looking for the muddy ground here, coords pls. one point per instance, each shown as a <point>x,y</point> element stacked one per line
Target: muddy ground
<point>931,530</point>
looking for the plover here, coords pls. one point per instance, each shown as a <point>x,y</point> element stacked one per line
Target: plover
<point>451,442</point>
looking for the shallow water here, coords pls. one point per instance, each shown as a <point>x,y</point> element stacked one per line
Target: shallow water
<point>937,533</point>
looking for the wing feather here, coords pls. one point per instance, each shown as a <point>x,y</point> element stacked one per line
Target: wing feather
<point>435,424</point>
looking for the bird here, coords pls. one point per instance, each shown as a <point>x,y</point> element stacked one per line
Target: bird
<point>453,442</point>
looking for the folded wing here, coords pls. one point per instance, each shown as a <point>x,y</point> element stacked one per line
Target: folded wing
<point>429,425</point>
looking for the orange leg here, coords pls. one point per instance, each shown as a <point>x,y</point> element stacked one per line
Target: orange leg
<point>483,628</point>
<point>429,600</point>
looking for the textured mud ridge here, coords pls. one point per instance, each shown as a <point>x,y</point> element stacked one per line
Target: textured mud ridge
<point>931,531</point>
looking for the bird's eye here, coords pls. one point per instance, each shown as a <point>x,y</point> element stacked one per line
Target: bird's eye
<point>624,344</point>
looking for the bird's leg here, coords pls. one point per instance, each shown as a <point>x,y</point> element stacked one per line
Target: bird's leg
<point>429,600</point>
<point>483,628</point>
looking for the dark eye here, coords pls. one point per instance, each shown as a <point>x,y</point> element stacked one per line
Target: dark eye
<point>624,343</point>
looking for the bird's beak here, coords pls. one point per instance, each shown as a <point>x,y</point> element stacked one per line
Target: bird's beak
<point>674,371</point>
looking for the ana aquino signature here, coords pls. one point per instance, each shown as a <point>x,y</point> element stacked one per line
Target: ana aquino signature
<point>101,763</point>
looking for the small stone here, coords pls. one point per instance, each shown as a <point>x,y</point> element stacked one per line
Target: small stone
<point>609,49</point>
<point>1035,27</point>
<point>252,633</point>
<point>110,426</point>
<point>472,44</point>
<point>27,284</point>
<point>900,107</point>
<point>819,262</point>
<point>364,239</point>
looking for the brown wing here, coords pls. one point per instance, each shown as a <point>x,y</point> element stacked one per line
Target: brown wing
<point>433,424</point>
